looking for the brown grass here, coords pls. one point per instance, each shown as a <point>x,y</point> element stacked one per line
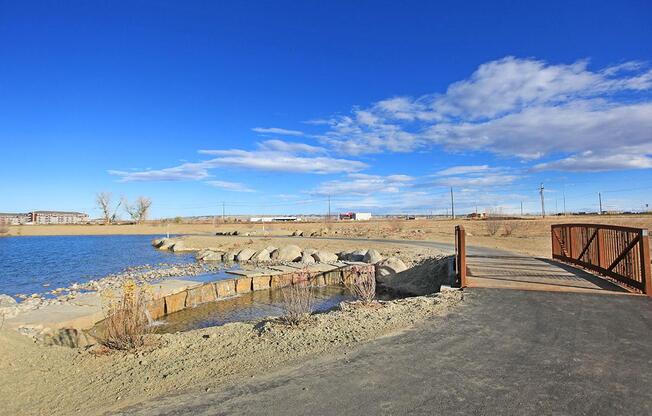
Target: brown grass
<point>4,229</point>
<point>297,303</point>
<point>126,322</point>
<point>362,284</point>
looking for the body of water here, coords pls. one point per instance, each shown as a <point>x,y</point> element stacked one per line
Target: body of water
<point>247,307</point>
<point>29,263</point>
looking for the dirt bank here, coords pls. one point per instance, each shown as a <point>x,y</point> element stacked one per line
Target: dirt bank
<point>61,381</point>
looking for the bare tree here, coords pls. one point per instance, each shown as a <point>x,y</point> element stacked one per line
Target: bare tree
<point>104,201</point>
<point>139,210</point>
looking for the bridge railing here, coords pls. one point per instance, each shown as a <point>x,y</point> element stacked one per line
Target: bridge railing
<point>622,253</point>
<point>460,255</point>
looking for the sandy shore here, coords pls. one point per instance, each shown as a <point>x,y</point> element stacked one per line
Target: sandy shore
<point>530,236</point>
<point>61,381</point>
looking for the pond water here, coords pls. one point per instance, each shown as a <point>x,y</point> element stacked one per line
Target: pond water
<point>246,307</point>
<point>29,263</point>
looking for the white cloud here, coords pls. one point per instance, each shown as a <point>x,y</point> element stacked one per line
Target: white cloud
<point>185,172</point>
<point>461,170</point>
<point>276,130</point>
<point>273,161</point>
<point>513,107</point>
<point>230,186</point>
<point>283,146</point>
<point>363,184</point>
<point>591,162</point>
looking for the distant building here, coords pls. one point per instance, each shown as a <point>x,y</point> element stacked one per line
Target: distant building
<point>57,217</point>
<point>13,219</point>
<point>477,215</point>
<point>358,216</point>
<point>274,219</point>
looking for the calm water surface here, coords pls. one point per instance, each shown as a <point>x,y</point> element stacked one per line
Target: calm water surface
<point>249,306</point>
<point>27,263</point>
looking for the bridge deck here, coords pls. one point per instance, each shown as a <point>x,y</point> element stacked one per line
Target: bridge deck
<point>529,273</point>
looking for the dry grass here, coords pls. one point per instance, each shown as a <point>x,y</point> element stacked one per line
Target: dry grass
<point>362,284</point>
<point>126,322</point>
<point>297,303</point>
<point>4,229</point>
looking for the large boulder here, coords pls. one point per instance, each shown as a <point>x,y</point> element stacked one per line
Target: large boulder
<point>230,256</point>
<point>289,253</point>
<point>390,266</point>
<point>372,256</point>
<point>325,256</point>
<point>178,247</point>
<point>213,256</point>
<point>357,255</point>
<point>245,254</point>
<point>261,256</point>
<point>165,244</point>
<point>307,259</point>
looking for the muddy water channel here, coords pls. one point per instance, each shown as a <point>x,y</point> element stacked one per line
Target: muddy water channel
<point>246,307</point>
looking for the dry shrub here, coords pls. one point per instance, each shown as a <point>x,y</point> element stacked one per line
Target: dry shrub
<point>297,303</point>
<point>4,229</point>
<point>510,227</point>
<point>362,283</point>
<point>492,221</point>
<point>127,321</point>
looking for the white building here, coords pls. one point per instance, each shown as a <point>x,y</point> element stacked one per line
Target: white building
<point>362,216</point>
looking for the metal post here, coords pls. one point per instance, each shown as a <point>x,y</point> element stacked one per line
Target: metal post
<point>646,277</point>
<point>600,198</point>
<point>460,254</point>
<point>543,207</point>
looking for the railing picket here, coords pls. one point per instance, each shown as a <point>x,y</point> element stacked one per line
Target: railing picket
<point>622,253</point>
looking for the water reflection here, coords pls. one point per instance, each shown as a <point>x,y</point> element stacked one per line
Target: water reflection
<point>247,307</point>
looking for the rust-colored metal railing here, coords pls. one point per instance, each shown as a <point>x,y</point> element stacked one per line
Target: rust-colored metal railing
<point>622,253</point>
<point>460,255</point>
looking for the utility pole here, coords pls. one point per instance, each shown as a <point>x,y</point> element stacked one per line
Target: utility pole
<point>452,204</point>
<point>329,208</point>
<point>223,217</point>
<point>521,208</point>
<point>600,199</point>
<point>564,195</point>
<point>543,207</point>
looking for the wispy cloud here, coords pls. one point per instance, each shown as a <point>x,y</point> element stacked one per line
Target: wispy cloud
<point>271,156</point>
<point>276,130</point>
<point>288,147</point>
<point>230,186</point>
<point>363,184</point>
<point>274,161</point>
<point>462,170</point>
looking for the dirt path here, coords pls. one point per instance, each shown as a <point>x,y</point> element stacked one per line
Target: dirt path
<point>549,353</point>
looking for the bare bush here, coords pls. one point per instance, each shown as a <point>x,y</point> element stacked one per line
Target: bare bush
<point>127,320</point>
<point>362,283</point>
<point>492,221</point>
<point>297,303</point>
<point>510,227</point>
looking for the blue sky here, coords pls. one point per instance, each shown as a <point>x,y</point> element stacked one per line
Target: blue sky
<point>273,106</point>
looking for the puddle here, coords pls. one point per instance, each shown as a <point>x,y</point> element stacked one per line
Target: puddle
<point>247,307</point>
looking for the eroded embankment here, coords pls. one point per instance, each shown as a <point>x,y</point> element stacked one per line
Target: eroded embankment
<point>61,381</point>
